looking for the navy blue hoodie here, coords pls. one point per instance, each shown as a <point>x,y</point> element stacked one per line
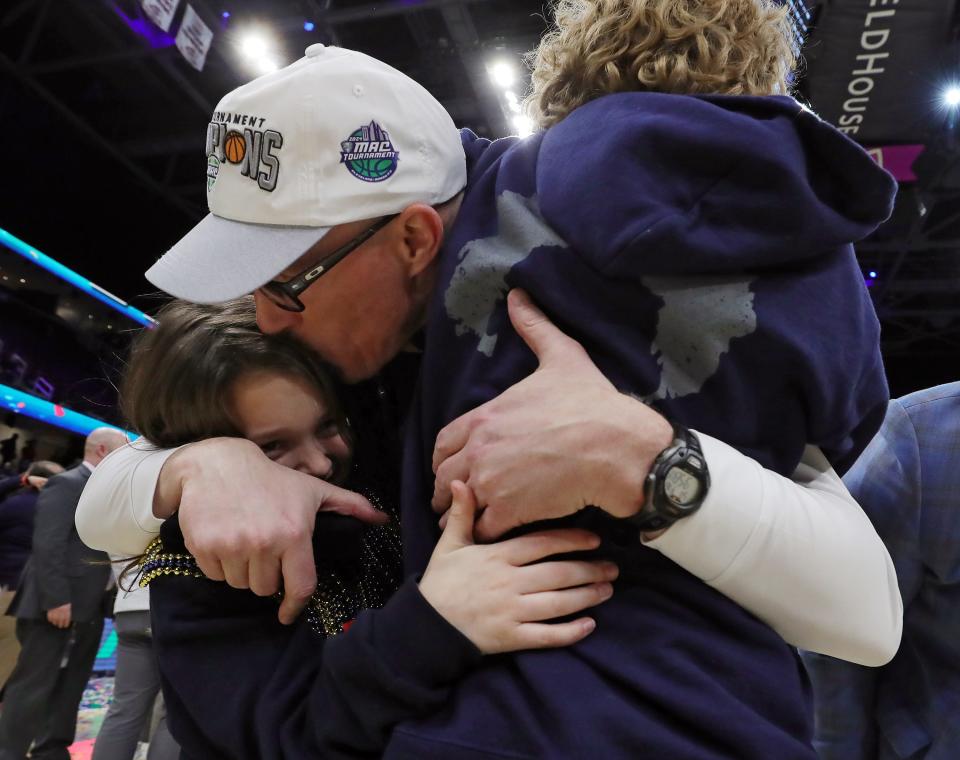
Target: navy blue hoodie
<point>663,220</point>
<point>700,249</point>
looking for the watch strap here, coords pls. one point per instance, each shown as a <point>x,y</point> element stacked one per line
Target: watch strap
<point>659,511</point>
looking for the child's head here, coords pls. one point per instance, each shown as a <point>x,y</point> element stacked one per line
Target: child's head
<point>600,47</point>
<point>207,371</point>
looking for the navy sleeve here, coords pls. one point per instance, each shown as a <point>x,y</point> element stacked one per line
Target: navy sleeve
<point>393,664</point>
<point>9,485</point>
<point>239,685</point>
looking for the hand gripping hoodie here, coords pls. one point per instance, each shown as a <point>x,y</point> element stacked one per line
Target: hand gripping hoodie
<point>700,248</point>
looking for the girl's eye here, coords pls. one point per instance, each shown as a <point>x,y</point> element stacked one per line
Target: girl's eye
<point>271,448</point>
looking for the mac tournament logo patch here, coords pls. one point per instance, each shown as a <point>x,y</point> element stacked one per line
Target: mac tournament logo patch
<point>369,155</point>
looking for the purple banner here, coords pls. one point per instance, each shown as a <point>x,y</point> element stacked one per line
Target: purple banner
<point>898,160</point>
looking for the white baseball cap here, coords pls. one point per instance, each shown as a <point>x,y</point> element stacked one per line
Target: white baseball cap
<point>334,138</point>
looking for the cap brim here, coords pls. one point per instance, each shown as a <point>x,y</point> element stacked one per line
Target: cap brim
<point>220,259</point>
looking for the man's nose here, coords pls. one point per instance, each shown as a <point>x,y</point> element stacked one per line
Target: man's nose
<point>271,319</point>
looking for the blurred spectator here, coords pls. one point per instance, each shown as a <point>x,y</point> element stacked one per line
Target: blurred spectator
<point>137,682</point>
<point>27,454</point>
<point>8,449</point>
<point>17,508</point>
<point>908,482</point>
<point>59,606</point>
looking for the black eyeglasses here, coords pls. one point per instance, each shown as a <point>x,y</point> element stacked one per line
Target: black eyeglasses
<point>286,295</point>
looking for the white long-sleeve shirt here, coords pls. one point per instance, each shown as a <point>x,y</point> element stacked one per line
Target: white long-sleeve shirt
<point>799,554</point>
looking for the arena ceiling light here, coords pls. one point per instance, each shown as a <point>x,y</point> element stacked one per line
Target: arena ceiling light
<point>523,125</point>
<point>256,48</point>
<point>951,96</point>
<point>503,74</point>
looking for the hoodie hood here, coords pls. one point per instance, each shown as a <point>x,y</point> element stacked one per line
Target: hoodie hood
<point>675,179</point>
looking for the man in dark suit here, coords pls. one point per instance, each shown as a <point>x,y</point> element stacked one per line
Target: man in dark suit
<point>59,608</point>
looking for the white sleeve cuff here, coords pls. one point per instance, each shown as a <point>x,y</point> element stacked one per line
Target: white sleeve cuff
<point>709,541</point>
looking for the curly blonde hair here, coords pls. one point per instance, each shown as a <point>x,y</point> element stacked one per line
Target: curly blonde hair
<point>599,47</point>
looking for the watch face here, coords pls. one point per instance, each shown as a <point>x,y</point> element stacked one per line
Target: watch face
<point>681,487</point>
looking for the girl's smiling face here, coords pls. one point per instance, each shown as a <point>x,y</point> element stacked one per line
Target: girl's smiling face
<point>288,418</point>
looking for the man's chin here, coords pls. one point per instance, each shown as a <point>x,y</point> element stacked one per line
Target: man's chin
<point>351,368</point>
<point>355,375</point>
<point>349,372</point>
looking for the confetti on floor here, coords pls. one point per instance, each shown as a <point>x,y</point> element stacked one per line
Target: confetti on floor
<point>93,709</point>
<point>81,750</point>
<point>84,750</point>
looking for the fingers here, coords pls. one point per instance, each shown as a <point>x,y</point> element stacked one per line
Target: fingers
<point>264,575</point>
<point>538,332</point>
<point>546,543</point>
<point>209,565</point>
<point>455,467</point>
<point>60,617</point>
<point>332,498</point>
<point>554,604</point>
<point>452,438</point>
<point>460,518</point>
<point>494,522</point>
<point>299,580</point>
<point>553,635</point>
<point>235,572</point>
<point>553,576</point>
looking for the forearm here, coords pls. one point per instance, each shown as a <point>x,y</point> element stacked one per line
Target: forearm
<point>116,510</point>
<point>802,556</point>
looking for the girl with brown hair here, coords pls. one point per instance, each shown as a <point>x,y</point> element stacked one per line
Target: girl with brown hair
<point>207,371</point>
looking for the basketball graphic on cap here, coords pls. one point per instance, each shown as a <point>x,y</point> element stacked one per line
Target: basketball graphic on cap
<point>234,147</point>
<point>373,169</point>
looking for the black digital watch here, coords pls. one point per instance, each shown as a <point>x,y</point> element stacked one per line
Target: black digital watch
<point>677,484</point>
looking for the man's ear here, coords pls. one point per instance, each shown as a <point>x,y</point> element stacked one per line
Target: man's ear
<point>420,232</point>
